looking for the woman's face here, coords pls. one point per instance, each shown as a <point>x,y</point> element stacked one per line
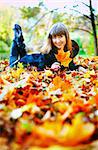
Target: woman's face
<point>59,41</point>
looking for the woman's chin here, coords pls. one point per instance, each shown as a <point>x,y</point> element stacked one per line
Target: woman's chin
<point>58,47</point>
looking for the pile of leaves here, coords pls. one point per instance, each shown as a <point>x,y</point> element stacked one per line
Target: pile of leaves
<point>47,109</point>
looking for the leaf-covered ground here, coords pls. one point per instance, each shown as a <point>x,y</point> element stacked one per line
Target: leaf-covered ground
<point>49,110</point>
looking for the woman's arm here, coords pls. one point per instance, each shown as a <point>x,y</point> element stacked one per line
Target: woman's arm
<point>75,49</point>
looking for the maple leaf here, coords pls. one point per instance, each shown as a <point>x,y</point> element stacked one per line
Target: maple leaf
<point>70,131</point>
<point>58,83</point>
<point>63,58</point>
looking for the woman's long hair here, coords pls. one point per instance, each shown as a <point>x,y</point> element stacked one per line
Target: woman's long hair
<point>57,29</point>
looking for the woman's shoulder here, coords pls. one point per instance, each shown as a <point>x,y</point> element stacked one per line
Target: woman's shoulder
<point>75,48</point>
<point>75,45</point>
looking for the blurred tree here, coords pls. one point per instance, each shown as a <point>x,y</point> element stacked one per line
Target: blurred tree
<point>36,21</point>
<point>82,51</point>
<point>28,12</point>
<point>6,20</point>
<point>40,19</point>
<point>90,19</point>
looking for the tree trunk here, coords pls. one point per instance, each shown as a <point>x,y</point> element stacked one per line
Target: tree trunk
<point>94,28</point>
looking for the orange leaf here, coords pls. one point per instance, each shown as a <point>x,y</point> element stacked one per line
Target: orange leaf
<point>64,58</point>
<point>96,98</point>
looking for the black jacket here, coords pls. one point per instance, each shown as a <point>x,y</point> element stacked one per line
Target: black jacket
<point>50,57</point>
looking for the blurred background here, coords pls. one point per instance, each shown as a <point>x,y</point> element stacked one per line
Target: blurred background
<point>37,16</point>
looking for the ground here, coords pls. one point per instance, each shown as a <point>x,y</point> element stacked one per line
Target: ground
<point>47,109</point>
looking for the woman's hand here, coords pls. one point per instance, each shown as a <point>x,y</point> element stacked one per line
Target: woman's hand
<point>55,66</point>
<point>82,69</point>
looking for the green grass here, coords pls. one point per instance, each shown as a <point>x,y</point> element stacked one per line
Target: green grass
<point>4,55</point>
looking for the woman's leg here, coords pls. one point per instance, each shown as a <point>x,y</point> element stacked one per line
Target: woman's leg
<point>18,47</point>
<point>13,54</point>
<point>37,60</point>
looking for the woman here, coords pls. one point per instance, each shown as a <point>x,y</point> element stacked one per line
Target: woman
<point>53,53</point>
<point>59,40</point>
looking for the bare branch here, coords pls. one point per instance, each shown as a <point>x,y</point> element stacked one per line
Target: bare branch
<point>51,11</point>
<point>38,21</point>
<point>81,14</point>
<point>83,30</point>
<point>85,4</point>
<point>87,16</point>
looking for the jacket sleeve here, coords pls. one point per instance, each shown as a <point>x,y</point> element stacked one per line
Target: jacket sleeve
<point>75,49</point>
<point>49,59</point>
<point>73,66</point>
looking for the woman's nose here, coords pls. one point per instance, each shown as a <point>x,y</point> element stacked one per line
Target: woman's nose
<point>57,40</point>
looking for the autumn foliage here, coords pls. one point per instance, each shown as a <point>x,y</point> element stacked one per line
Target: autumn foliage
<point>48,108</point>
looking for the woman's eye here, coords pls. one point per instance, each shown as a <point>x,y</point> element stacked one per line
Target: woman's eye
<point>54,36</point>
<point>61,35</point>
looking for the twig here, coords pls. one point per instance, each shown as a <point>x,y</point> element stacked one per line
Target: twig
<point>84,30</point>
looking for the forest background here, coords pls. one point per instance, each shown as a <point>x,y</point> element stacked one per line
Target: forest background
<point>37,16</point>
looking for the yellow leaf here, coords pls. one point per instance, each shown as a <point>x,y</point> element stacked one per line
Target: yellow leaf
<point>48,73</point>
<point>20,65</point>
<point>64,58</point>
<point>87,74</point>
<point>78,132</point>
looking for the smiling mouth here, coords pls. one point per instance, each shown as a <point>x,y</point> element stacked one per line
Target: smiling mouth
<point>58,44</point>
